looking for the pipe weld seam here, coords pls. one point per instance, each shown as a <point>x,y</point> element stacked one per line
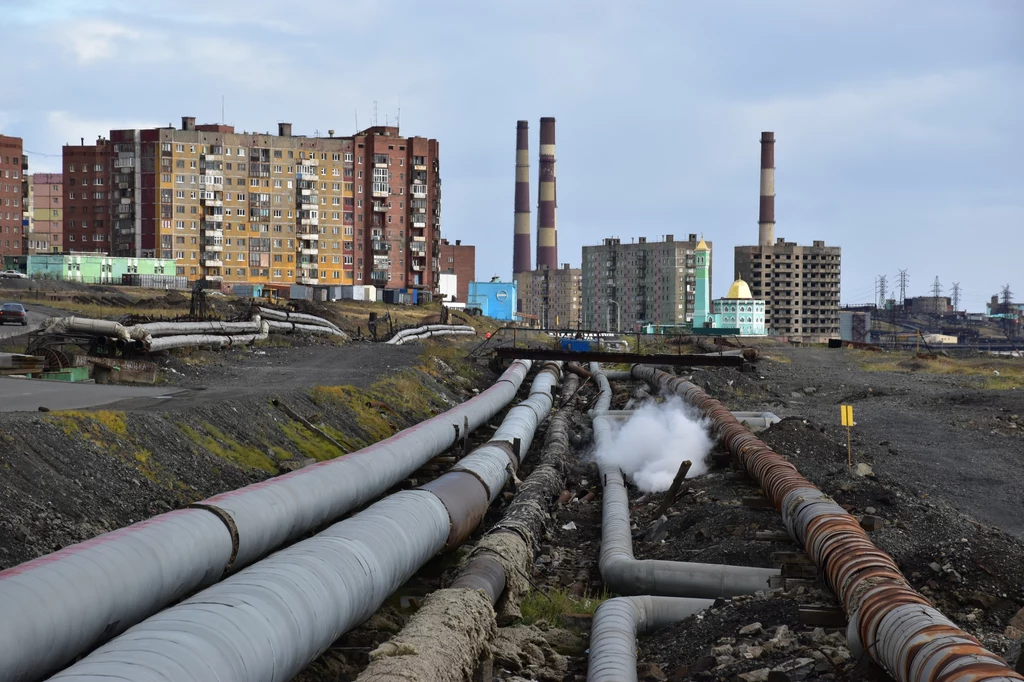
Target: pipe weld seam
<point>476,476</point>
<point>229,523</point>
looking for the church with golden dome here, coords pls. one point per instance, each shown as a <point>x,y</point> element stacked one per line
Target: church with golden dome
<point>737,313</point>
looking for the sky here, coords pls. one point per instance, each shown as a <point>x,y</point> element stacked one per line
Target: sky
<point>897,123</point>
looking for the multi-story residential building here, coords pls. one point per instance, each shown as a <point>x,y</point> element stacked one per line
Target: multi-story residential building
<point>799,284</point>
<point>12,167</point>
<point>460,260</point>
<point>629,285</point>
<point>46,227</point>
<point>87,200</point>
<point>550,299</point>
<point>233,207</point>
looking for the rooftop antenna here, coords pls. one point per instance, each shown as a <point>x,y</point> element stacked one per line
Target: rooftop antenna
<point>398,123</point>
<point>374,112</point>
<point>222,119</point>
<point>355,112</point>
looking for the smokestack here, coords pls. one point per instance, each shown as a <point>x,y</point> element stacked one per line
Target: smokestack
<point>521,245</point>
<point>547,222</point>
<point>766,215</point>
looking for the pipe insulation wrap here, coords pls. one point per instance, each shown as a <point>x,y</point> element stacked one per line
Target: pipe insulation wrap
<point>140,331</point>
<point>66,609</point>
<point>212,340</point>
<point>286,316</point>
<point>438,332</point>
<point>889,620</point>
<point>296,327</point>
<point>266,623</point>
<point>83,325</point>
<point>616,624</point>
<point>426,331</point>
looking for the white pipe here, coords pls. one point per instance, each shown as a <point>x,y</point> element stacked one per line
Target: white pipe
<point>271,620</point>
<point>286,316</point>
<point>616,624</point>
<point>279,327</point>
<point>400,336</point>
<point>429,334</point>
<point>181,328</point>
<point>63,604</point>
<point>84,325</point>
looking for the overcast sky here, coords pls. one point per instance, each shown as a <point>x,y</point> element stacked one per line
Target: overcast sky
<point>898,124</point>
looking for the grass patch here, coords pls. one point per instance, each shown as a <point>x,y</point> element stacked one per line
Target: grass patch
<point>309,443</point>
<point>101,311</point>
<point>552,606</point>
<point>987,372</point>
<point>216,442</point>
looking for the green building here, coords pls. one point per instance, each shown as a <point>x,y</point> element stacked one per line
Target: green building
<point>94,268</point>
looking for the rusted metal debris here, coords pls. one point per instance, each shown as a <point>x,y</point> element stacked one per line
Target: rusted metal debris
<point>888,619</point>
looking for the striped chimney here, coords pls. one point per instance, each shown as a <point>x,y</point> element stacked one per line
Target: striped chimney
<point>521,246</point>
<point>766,215</point>
<point>547,222</point>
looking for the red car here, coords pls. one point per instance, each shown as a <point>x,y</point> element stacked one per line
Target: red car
<point>13,312</point>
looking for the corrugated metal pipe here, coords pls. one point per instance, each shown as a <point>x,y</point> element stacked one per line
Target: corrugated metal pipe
<point>426,331</point>
<point>271,620</point>
<point>616,624</point>
<point>63,604</point>
<point>889,620</point>
<point>623,573</point>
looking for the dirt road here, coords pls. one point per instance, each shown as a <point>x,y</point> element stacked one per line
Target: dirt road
<point>936,433</point>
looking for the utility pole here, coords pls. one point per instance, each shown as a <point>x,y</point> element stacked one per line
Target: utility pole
<point>956,296</point>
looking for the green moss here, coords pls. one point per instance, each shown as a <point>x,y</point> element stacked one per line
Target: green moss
<point>309,443</point>
<point>280,453</point>
<point>221,445</point>
<point>551,606</point>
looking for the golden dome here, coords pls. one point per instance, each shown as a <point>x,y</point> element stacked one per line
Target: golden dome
<point>703,246</point>
<point>739,289</point>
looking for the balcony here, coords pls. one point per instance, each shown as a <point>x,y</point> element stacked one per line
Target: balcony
<point>379,246</point>
<point>214,218</point>
<point>419,166</point>
<point>381,192</point>
<point>379,275</point>
<point>419,267</point>
<point>214,278</point>
<point>307,265</point>
<point>309,221</point>
<point>419,248</point>
<point>380,161</point>
<point>307,203</point>
<point>310,235</point>
<point>213,246</point>
<point>380,207</point>
<point>302,279</point>
<point>418,191</point>
<point>212,261</point>
<point>418,220</point>
<point>309,251</point>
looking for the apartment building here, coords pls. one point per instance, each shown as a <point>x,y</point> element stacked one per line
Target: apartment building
<point>12,168</point>
<point>46,225</point>
<point>460,260</point>
<point>799,284</point>
<point>643,282</point>
<point>87,199</point>
<point>233,207</point>
<point>550,299</point>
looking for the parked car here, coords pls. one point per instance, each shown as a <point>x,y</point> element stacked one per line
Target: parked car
<point>13,274</point>
<point>13,312</point>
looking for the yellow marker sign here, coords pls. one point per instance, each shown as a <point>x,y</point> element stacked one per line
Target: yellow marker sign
<point>847,414</point>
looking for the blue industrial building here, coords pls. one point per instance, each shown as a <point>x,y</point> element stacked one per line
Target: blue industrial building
<point>493,299</point>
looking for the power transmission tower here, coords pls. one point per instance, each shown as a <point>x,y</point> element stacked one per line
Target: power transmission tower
<point>1006,299</point>
<point>936,288</point>
<point>956,296</point>
<point>903,286</point>
<point>881,291</point>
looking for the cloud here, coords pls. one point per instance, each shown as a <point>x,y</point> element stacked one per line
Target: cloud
<point>95,40</point>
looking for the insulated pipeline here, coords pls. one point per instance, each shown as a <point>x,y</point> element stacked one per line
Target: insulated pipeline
<point>428,330</point>
<point>616,624</point>
<point>889,620</point>
<point>60,605</point>
<point>625,574</point>
<point>302,318</point>
<point>269,621</point>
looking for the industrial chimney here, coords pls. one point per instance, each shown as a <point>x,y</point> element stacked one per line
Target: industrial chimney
<point>521,245</point>
<point>766,215</point>
<point>547,223</point>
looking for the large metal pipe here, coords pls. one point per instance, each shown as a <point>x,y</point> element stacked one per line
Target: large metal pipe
<point>547,199</point>
<point>616,624</point>
<point>156,329</point>
<point>766,210</point>
<point>207,340</point>
<point>888,620</point>
<point>279,327</point>
<point>287,316</point>
<point>521,228</point>
<point>272,619</point>
<point>84,325</point>
<point>60,605</point>
<point>425,331</point>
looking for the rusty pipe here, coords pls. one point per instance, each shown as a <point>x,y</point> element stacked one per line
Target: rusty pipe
<point>888,620</point>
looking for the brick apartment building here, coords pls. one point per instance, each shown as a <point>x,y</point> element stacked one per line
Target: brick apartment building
<point>460,260</point>
<point>46,227</point>
<point>12,169</point>
<point>639,283</point>
<point>87,197</point>
<point>245,207</point>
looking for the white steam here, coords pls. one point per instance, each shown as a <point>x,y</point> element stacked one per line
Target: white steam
<point>656,439</point>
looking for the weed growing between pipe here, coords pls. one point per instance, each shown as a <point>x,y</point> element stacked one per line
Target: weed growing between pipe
<point>552,606</point>
<point>656,439</point>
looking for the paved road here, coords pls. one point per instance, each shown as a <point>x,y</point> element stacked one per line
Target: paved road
<point>27,395</point>
<point>35,320</point>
